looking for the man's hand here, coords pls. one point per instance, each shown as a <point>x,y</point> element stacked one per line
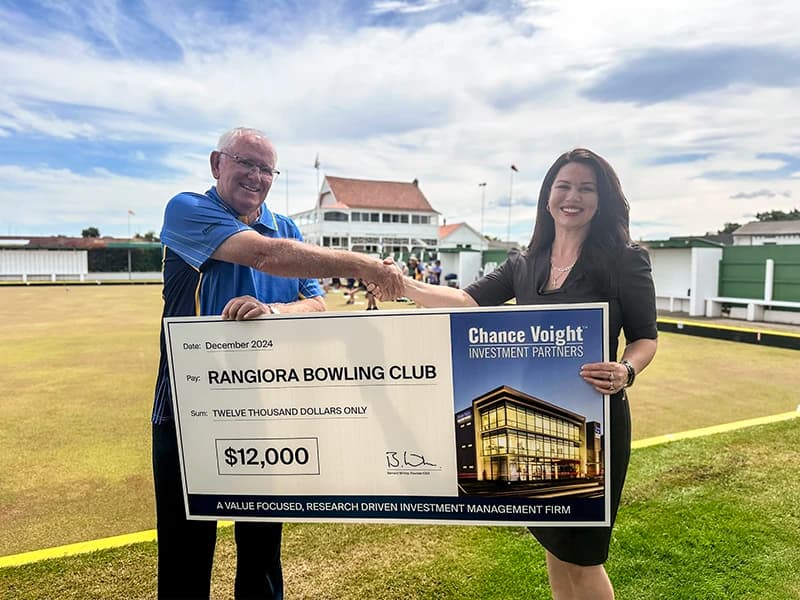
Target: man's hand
<point>385,279</point>
<point>242,308</point>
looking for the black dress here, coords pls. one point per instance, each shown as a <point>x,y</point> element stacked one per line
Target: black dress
<point>628,289</point>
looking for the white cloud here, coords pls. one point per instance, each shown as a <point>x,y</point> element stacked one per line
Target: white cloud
<point>67,202</point>
<point>396,6</point>
<point>451,103</point>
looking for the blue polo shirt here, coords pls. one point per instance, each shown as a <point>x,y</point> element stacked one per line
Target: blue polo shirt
<point>195,225</point>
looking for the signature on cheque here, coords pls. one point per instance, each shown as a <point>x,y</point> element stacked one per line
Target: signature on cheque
<point>402,459</point>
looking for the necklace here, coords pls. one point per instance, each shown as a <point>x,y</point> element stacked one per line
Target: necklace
<point>559,273</point>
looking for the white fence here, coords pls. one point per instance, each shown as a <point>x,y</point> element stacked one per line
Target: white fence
<point>82,277</point>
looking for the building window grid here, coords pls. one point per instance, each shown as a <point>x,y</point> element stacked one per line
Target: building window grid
<point>365,217</point>
<point>549,438</point>
<point>523,418</point>
<point>394,218</point>
<point>364,240</point>
<point>335,242</point>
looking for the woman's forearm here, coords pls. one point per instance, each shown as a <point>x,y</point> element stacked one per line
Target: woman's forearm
<point>640,353</point>
<point>436,296</point>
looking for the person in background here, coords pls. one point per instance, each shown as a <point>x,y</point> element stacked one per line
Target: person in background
<point>226,253</point>
<point>435,276</point>
<point>415,270</point>
<point>580,251</point>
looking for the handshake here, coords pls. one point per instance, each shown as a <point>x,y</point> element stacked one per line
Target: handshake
<point>384,280</point>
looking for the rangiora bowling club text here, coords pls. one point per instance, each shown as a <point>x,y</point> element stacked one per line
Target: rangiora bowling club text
<point>328,374</point>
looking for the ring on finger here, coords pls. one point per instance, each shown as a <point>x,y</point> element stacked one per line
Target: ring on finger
<point>610,385</point>
<point>611,376</point>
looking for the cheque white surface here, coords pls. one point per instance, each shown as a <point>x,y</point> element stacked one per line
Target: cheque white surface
<point>292,406</point>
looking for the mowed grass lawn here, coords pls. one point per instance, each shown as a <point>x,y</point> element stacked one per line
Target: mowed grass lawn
<point>712,518</point>
<point>77,379</point>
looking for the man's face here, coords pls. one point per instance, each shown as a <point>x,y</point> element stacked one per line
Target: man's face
<point>244,188</point>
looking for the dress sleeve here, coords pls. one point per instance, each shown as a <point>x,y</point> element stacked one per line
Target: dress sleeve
<point>637,295</point>
<point>194,227</point>
<point>496,287</point>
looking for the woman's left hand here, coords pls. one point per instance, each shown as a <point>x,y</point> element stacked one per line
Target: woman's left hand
<point>605,377</point>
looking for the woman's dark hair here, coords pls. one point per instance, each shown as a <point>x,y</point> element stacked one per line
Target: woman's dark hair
<point>608,231</point>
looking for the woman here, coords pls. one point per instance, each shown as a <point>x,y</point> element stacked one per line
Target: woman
<point>580,251</point>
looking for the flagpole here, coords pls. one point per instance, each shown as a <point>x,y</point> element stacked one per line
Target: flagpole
<point>316,204</point>
<point>316,168</point>
<point>510,200</point>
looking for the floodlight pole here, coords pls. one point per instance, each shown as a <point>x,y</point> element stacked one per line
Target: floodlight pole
<point>130,276</point>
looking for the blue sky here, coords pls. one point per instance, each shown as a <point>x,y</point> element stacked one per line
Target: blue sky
<point>111,106</point>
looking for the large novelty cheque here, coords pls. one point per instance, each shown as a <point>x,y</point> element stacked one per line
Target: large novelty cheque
<point>424,416</point>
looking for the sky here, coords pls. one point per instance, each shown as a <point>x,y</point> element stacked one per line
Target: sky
<point>111,108</point>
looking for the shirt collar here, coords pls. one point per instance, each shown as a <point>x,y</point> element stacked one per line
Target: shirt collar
<point>266,218</point>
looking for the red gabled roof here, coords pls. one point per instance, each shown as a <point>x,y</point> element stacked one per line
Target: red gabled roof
<point>445,230</point>
<point>364,193</point>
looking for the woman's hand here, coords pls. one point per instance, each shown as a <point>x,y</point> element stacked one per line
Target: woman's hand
<point>605,377</point>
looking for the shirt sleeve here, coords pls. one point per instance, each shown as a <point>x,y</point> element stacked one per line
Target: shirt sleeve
<point>195,226</point>
<point>496,287</point>
<point>637,296</point>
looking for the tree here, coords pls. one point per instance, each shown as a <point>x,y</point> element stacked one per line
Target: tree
<point>770,215</point>
<point>729,228</point>
<point>90,232</point>
<point>779,215</point>
<point>149,236</point>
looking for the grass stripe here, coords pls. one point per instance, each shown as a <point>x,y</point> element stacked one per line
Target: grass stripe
<point>24,558</point>
<point>703,431</point>
<point>16,560</point>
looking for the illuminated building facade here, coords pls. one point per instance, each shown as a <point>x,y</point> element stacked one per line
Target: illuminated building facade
<point>508,435</point>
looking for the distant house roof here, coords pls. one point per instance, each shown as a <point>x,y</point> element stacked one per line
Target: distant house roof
<point>769,228</point>
<point>447,230</point>
<point>683,242</point>
<point>726,239</point>
<point>364,193</point>
<point>502,245</point>
<point>61,242</point>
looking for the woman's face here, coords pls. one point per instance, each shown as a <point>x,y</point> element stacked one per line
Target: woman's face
<point>573,197</point>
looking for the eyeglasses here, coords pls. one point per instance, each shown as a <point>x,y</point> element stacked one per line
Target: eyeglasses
<point>249,165</point>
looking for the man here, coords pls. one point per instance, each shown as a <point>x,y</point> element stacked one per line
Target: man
<point>436,273</point>
<point>226,253</point>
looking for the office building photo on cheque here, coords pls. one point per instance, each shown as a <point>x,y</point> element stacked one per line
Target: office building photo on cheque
<point>526,425</point>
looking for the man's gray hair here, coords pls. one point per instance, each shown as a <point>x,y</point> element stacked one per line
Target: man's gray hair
<point>230,136</point>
